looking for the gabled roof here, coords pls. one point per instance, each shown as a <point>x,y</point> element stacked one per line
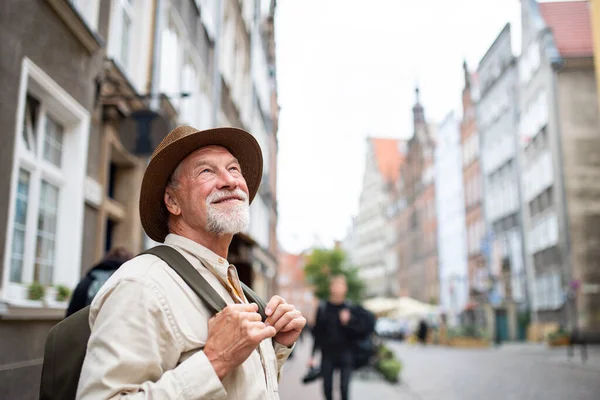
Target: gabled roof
<point>388,156</point>
<point>570,23</point>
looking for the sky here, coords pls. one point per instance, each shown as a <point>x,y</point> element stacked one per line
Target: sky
<point>347,70</point>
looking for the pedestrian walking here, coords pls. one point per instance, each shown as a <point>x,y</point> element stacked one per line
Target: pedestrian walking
<point>151,336</point>
<point>340,333</point>
<point>422,331</point>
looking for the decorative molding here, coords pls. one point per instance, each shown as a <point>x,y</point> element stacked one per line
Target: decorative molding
<point>90,40</point>
<point>93,192</point>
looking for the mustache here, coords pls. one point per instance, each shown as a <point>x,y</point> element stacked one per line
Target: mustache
<point>222,194</point>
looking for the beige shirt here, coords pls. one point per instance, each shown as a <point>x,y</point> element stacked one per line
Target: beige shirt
<point>148,332</point>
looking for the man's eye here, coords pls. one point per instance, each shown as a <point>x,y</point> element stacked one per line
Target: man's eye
<point>234,169</point>
<point>205,170</point>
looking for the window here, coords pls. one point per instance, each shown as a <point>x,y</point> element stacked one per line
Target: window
<point>50,160</point>
<point>189,84</point>
<point>181,72</point>
<point>548,293</point>
<point>122,33</point>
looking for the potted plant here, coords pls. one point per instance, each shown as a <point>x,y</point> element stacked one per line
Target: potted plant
<point>558,338</point>
<point>36,291</point>
<point>469,336</point>
<point>62,293</point>
<point>388,365</point>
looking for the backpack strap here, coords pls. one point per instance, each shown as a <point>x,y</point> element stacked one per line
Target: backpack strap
<point>207,294</point>
<point>253,297</point>
<point>188,273</point>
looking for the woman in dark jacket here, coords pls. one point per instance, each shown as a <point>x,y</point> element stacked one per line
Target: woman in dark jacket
<point>88,287</point>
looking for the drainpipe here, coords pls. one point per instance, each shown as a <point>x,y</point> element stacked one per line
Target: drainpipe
<point>156,52</point>
<point>529,280</point>
<point>567,270</point>
<point>216,73</point>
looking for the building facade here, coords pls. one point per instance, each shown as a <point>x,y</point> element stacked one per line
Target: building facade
<point>450,213</point>
<point>558,135</point>
<point>473,189</point>
<point>497,120</point>
<point>47,111</point>
<point>91,88</point>
<point>367,243</point>
<point>418,271</point>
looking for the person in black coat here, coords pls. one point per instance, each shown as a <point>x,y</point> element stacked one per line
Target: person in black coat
<point>333,337</point>
<point>88,287</point>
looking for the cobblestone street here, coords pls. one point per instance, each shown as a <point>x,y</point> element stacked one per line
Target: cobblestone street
<point>518,372</point>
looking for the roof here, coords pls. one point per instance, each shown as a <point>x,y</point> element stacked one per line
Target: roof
<point>571,25</point>
<point>388,156</point>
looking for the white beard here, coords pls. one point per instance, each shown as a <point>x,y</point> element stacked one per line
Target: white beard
<point>229,221</point>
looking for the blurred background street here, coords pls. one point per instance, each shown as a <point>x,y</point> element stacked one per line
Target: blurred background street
<point>511,371</point>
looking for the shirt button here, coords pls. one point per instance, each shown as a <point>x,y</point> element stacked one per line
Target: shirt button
<point>221,261</point>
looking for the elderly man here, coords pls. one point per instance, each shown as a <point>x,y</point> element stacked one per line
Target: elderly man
<point>152,337</point>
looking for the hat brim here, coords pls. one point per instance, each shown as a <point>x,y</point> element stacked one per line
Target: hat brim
<point>241,144</point>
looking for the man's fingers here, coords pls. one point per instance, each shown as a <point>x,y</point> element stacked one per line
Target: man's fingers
<point>272,305</point>
<point>261,334</point>
<point>279,312</point>
<point>251,316</point>
<point>297,324</point>
<point>286,319</point>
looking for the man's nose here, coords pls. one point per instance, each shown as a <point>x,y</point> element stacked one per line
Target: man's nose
<point>227,180</point>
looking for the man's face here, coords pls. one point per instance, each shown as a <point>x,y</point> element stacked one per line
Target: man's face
<point>210,192</point>
<point>338,286</point>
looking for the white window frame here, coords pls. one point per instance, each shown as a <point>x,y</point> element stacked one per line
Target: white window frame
<point>141,15</point>
<point>75,120</point>
<point>89,10</point>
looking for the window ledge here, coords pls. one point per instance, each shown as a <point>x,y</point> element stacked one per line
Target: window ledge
<point>90,40</point>
<point>30,309</point>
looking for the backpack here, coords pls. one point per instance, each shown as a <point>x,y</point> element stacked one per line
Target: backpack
<point>360,330</point>
<point>66,344</point>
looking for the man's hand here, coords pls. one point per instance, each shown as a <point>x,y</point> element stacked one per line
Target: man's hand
<point>233,334</point>
<point>287,321</point>
<point>344,316</point>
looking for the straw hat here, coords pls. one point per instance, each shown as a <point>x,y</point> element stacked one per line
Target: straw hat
<point>176,146</point>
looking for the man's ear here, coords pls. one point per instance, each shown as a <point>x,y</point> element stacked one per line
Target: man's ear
<point>171,203</point>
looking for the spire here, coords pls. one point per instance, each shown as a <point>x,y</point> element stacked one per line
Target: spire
<point>418,111</point>
<point>467,74</point>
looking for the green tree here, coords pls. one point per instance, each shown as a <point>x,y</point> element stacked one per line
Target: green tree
<point>323,264</point>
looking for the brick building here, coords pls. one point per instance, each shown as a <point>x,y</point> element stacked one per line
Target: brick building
<point>418,272</point>
<point>292,286</point>
<point>473,187</point>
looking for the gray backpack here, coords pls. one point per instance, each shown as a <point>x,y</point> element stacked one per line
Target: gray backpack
<point>67,341</point>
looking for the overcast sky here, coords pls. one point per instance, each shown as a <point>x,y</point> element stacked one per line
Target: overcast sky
<point>347,70</point>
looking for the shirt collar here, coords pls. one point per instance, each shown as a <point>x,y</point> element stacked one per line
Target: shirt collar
<point>196,249</point>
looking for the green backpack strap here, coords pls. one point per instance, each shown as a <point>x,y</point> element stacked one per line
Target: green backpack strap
<point>253,297</point>
<point>211,299</point>
<point>191,277</point>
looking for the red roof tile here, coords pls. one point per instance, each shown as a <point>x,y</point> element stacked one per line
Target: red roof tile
<point>388,156</point>
<point>571,25</point>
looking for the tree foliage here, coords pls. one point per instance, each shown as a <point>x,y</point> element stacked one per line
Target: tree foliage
<point>322,264</point>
